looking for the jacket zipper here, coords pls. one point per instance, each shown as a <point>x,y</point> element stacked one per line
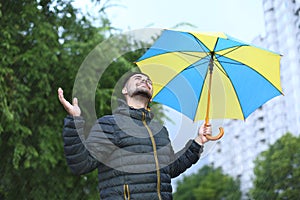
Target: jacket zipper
<point>155,156</point>
<point>126,192</point>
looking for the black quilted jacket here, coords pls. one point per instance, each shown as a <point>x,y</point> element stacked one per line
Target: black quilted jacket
<point>132,152</point>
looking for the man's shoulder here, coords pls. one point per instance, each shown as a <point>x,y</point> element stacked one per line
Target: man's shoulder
<point>105,124</point>
<point>106,119</point>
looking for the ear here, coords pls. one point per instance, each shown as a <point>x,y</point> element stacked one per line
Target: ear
<point>124,91</point>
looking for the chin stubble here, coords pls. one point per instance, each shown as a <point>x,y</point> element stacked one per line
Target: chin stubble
<point>142,93</point>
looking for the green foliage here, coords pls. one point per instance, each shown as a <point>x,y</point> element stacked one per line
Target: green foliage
<point>43,44</point>
<point>277,170</point>
<point>208,183</point>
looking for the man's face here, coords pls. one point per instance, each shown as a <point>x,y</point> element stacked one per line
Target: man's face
<point>138,84</point>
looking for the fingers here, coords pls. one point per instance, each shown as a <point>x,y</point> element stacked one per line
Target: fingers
<point>75,102</point>
<point>74,109</point>
<point>62,99</point>
<point>205,129</point>
<point>60,94</point>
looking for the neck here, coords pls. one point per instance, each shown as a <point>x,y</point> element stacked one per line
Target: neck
<point>137,102</point>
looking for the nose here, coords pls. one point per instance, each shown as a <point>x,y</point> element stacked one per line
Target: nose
<point>147,81</point>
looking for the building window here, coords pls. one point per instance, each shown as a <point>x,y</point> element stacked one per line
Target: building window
<point>261,130</point>
<point>263,141</point>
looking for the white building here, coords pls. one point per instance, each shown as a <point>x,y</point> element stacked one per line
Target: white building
<point>243,141</point>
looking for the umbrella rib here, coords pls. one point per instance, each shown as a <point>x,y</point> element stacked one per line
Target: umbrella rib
<point>182,52</point>
<point>264,78</point>
<point>222,55</point>
<point>242,64</point>
<point>236,94</point>
<point>200,43</point>
<point>186,53</point>
<point>224,72</point>
<point>208,55</point>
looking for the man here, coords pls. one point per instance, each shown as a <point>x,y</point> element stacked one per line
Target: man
<point>132,151</point>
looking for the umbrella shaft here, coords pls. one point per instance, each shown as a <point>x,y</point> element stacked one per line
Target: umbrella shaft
<point>209,91</point>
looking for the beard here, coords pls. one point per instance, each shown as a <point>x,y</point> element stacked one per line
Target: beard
<point>141,92</point>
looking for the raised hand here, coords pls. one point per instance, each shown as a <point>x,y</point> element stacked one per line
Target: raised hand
<point>73,109</point>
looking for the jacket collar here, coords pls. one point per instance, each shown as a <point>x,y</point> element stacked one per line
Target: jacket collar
<point>140,114</point>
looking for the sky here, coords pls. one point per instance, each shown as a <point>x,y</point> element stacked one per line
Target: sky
<point>242,19</point>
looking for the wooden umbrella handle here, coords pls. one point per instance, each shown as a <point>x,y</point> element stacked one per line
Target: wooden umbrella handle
<point>217,137</point>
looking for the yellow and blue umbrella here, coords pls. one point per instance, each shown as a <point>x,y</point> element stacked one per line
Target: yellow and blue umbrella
<point>210,75</point>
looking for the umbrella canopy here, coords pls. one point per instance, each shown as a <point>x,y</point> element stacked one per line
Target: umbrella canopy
<point>193,70</point>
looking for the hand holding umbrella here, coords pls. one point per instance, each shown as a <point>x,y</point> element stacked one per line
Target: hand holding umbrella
<point>203,132</point>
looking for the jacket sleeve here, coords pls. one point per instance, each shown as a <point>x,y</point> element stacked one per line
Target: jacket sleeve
<point>185,158</point>
<point>101,141</point>
<point>78,157</point>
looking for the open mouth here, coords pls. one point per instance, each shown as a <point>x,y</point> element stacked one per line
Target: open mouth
<point>144,85</point>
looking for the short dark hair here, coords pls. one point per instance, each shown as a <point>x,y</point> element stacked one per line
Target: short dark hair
<point>130,75</point>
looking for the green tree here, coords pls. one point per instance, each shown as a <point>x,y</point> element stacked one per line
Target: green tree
<point>208,183</point>
<point>277,170</point>
<point>43,43</point>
